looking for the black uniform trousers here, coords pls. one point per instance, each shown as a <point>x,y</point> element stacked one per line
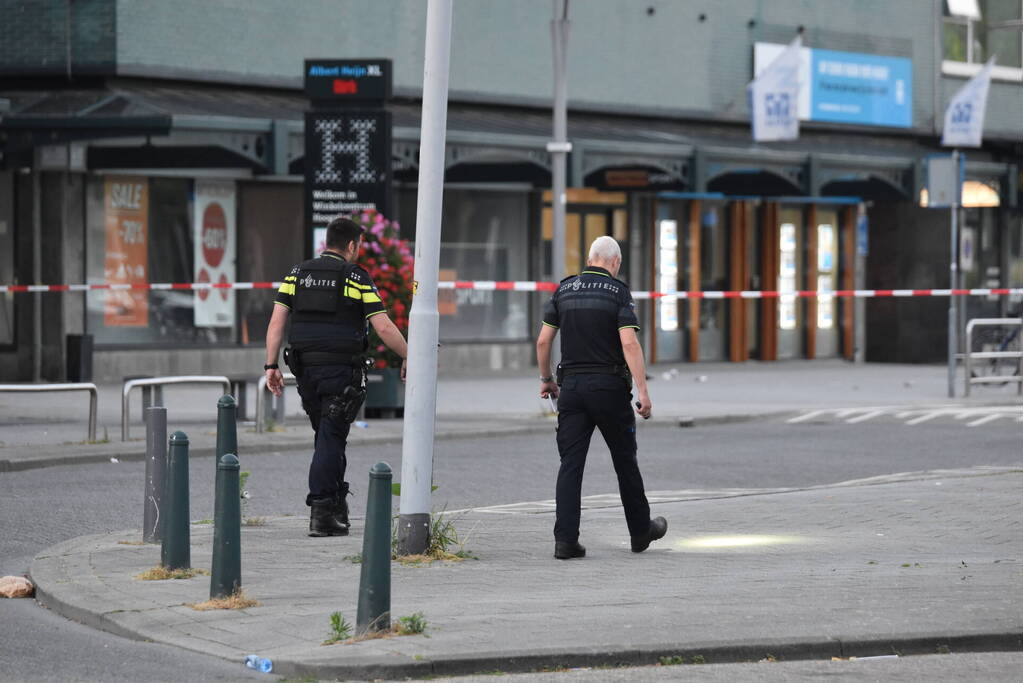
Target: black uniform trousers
<point>317,386</point>
<point>602,401</point>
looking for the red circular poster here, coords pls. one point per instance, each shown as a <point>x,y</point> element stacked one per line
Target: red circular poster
<point>214,234</point>
<point>204,276</point>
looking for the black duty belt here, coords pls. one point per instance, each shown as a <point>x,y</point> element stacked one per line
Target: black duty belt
<point>620,370</point>
<point>308,358</point>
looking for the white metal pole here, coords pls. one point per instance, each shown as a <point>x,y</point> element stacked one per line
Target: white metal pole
<point>421,389</point>
<point>953,322</point>
<point>559,148</point>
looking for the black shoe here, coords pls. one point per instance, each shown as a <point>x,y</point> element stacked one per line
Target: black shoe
<point>658,527</point>
<point>566,551</point>
<point>324,522</point>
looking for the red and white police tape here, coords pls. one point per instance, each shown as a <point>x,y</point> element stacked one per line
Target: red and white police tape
<point>529,286</point>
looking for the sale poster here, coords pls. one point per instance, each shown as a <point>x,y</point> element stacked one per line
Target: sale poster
<point>126,260</point>
<point>214,222</point>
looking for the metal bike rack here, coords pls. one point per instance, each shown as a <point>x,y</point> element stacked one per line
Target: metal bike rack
<point>163,381</point>
<point>72,386</point>
<point>969,356</point>
<point>261,398</point>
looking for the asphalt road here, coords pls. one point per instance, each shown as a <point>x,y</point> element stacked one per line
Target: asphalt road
<point>41,507</point>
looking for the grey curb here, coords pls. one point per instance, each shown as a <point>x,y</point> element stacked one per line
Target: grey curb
<point>256,448</point>
<point>712,653</point>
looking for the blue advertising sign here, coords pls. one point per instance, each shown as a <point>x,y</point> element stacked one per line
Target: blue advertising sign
<point>848,87</point>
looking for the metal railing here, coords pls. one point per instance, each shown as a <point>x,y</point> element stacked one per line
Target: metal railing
<point>72,386</point>
<point>995,356</point>
<point>162,381</point>
<point>261,398</point>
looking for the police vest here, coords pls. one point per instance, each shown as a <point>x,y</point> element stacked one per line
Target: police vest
<point>327,311</point>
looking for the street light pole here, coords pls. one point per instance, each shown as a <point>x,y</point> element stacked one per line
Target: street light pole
<point>421,391</point>
<point>559,147</point>
<point>953,312</point>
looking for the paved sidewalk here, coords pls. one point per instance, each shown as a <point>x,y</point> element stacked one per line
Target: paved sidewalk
<point>909,564</point>
<point>37,430</point>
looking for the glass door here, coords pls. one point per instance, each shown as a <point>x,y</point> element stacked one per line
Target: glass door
<point>827,281</point>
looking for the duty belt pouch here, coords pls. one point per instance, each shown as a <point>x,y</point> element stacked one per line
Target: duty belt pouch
<point>559,374</point>
<point>346,405</point>
<point>292,360</point>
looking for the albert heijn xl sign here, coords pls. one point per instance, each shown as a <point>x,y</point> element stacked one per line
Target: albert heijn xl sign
<point>347,140</point>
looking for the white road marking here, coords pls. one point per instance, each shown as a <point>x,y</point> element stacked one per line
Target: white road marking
<point>984,420</point>
<point>863,418</point>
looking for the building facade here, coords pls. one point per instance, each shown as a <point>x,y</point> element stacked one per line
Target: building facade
<point>124,122</point>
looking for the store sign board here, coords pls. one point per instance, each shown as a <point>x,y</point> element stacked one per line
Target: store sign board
<point>347,165</point>
<point>348,80</point>
<point>214,252</point>
<point>126,259</point>
<point>637,178</point>
<point>849,87</point>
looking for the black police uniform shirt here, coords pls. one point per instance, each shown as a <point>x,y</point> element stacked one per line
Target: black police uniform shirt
<point>589,309</point>
<point>342,332</point>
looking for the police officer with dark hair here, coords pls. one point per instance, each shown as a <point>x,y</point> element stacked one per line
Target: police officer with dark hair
<point>600,358</point>
<point>331,302</point>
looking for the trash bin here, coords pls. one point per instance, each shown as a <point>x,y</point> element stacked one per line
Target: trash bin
<point>79,357</point>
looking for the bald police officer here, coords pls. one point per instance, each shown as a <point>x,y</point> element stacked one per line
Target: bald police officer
<point>600,358</point>
<point>331,302</point>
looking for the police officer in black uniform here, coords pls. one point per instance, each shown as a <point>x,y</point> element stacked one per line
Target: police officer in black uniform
<point>600,358</point>
<point>331,303</point>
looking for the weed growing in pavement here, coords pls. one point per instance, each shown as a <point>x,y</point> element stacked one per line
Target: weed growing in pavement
<point>354,559</point>
<point>161,573</point>
<point>339,629</point>
<point>237,600</point>
<point>131,543</point>
<point>673,660</point>
<point>203,521</point>
<point>410,625</point>
<point>254,521</point>
<point>698,659</point>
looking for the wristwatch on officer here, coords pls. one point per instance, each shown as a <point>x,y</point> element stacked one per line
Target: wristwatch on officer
<point>546,379</point>
<point>271,366</point>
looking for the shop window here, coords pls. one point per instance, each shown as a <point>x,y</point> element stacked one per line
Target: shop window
<point>271,239</point>
<point>974,30</point>
<point>141,230</point>
<point>484,236</point>
<point>6,258</point>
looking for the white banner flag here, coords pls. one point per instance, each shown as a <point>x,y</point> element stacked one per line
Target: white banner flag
<point>964,118</point>
<point>774,97</point>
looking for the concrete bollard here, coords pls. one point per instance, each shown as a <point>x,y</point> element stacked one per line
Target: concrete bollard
<point>156,471</point>
<point>374,612</point>
<point>226,576</point>
<point>175,552</point>
<point>227,429</point>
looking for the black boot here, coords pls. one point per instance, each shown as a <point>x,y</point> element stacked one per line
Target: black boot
<point>341,512</point>
<point>324,522</point>
<point>658,527</point>
<point>566,551</point>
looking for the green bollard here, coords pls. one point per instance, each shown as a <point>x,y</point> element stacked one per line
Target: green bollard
<point>175,554</point>
<point>375,581</point>
<point>226,577</point>
<point>227,428</point>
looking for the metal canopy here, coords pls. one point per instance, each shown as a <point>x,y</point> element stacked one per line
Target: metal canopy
<point>136,124</point>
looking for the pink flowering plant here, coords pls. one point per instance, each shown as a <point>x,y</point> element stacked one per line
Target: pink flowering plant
<point>388,260</point>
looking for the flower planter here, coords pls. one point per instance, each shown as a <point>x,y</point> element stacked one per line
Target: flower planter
<point>385,393</point>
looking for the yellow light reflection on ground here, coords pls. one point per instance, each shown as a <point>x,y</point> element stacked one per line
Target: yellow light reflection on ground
<point>735,542</point>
